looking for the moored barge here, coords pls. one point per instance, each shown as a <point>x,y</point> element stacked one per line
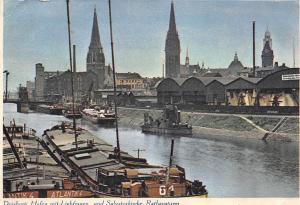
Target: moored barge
<point>101,117</point>
<point>97,166</point>
<point>50,109</point>
<point>29,172</point>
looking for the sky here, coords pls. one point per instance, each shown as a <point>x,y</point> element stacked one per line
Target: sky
<point>36,32</point>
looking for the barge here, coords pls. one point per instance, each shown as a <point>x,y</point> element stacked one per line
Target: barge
<point>169,123</point>
<point>98,166</point>
<point>30,172</point>
<point>101,117</point>
<point>50,109</point>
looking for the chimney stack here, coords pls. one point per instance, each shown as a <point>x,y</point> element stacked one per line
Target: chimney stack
<point>74,58</point>
<point>253,23</point>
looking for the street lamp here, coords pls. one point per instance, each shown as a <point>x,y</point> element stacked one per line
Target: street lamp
<point>6,81</point>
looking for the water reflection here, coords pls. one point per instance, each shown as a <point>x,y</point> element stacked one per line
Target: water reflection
<point>229,168</point>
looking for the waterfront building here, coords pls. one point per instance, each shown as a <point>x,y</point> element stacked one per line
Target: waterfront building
<point>215,91</point>
<point>281,85</point>
<point>241,91</point>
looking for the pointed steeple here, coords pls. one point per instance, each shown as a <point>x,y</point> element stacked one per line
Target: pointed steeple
<point>187,58</point>
<point>172,48</point>
<point>172,23</point>
<point>95,38</point>
<point>95,58</point>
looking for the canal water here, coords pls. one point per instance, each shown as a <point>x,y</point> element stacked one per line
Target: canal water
<point>229,168</point>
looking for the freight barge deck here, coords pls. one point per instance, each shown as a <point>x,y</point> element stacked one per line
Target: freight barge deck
<point>97,166</point>
<point>30,172</point>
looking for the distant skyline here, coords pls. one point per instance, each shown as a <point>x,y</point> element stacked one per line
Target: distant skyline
<point>36,32</point>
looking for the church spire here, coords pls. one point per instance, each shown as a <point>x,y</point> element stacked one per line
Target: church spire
<point>187,58</point>
<point>172,23</point>
<point>172,48</point>
<point>95,57</point>
<point>95,38</point>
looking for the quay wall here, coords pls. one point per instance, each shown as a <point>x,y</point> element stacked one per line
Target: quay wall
<point>220,125</point>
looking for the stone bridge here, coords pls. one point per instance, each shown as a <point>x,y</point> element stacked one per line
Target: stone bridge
<point>30,104</point>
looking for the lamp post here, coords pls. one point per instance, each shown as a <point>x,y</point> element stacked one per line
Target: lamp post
<point>6,82</point>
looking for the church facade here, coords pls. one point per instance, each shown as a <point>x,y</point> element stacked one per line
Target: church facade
<point>58,84</point>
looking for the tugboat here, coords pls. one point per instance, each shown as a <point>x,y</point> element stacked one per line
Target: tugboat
<point>170,123</point>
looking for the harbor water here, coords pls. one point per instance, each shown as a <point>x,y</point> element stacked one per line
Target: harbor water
<point>229,168</point>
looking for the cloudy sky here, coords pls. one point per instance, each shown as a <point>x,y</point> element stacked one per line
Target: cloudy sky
<point>36,32</point>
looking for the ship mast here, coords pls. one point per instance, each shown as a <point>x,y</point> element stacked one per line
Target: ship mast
<point>72,77</point>
<point>114,79</point>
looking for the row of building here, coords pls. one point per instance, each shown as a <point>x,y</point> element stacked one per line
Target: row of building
<point>279,88</point>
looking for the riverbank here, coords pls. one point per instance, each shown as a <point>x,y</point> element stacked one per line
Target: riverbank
<point>222,125</point>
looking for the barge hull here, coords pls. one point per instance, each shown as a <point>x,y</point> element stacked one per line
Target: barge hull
<point>171,131</point>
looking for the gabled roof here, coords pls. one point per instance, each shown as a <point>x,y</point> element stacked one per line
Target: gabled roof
<point>250,85</point>
<point>212,74</point>
<point>178,81</point>
<point>223,80</point>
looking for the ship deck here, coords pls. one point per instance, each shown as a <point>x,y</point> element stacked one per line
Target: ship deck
<point>89,158</point>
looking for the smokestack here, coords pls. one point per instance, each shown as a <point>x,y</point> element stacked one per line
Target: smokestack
<point>74,58</point>
<point>253,23</point>
<point>294,62</point>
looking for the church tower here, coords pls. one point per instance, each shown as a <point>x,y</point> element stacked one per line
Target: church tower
<point>267,55</point>
<point>187,58</point>
<point>95,58</point>
<point>172,48</point>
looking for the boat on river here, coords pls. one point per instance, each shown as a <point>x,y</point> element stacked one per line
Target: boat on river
<point>29,172</point>
<point>50,109</point>
<point>99,167</point>
<point>99,116</point>
<point>170,123</point>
